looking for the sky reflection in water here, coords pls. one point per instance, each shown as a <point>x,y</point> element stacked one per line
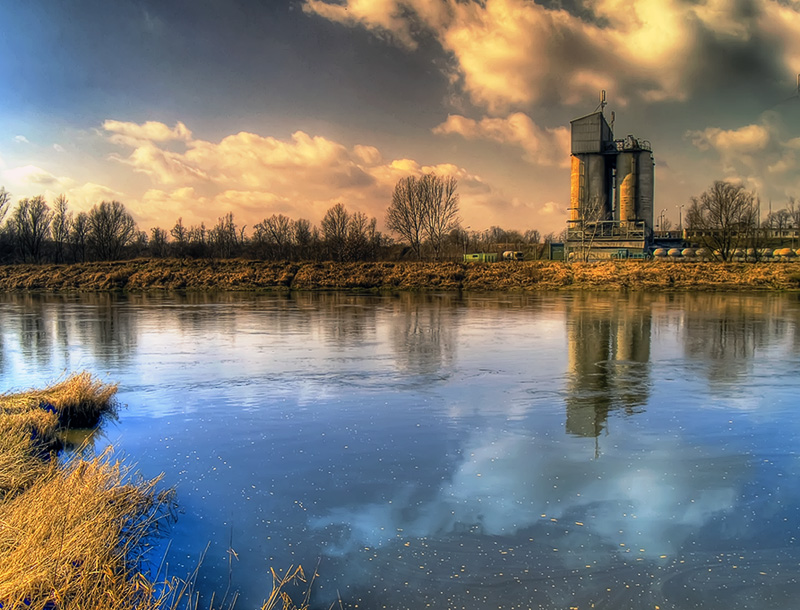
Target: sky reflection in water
<point>505,451</point>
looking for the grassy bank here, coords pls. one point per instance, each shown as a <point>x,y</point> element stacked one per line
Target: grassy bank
<point>197,275</point>
<point>75,531</point>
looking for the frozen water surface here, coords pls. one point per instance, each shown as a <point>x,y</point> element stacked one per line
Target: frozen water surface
<point>447,451</point>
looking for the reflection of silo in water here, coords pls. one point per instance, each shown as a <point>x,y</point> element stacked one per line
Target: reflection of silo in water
<point>609,354</point>
<point>632,358</point>
<point>588,399</point>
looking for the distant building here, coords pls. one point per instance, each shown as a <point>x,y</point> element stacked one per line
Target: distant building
<point>611,193</point>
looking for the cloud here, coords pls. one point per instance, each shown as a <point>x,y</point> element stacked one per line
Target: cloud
<point>511,53</point>
<point>256,176</point>
<point>21,140</point>
<point>162,165</point>
<point>125,132</point>
<point>551,207</point>
<point>58,148</point>
<point>546,147</point>
<point>31,174</point>
<point>31,180</point>
<point>508,482</point>
<point>756,154</point>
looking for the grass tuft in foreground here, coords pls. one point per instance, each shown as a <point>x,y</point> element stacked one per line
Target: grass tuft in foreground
<point>78,402</point>
<point>77,538</point>
<point>75,534</point>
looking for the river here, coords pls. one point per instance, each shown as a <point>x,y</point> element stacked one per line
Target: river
<point>571,450</point>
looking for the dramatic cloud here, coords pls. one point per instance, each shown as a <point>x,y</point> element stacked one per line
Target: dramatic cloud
<point>256,176</point>
<point>758,154</point>
<point>511,53</point>
<point>547,147</point>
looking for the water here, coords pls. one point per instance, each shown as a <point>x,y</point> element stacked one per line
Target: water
<point>500,451</point>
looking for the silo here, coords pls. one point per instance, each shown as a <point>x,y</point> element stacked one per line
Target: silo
<point>591,172</point>
<point>595,197</point>
<point>626,186</point>
<point>577,187</point>
<point>644,187</point>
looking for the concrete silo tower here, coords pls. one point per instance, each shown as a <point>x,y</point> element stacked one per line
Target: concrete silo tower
<point>611,192</point>
<point>592,174</point>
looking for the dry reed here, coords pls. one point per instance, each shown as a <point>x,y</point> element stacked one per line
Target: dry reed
<point>76,535</point>
<point>79,401</point>
<point>236,275</point>
<point>77,538</point>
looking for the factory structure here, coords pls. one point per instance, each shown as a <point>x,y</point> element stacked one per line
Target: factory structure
<point>611,192</point>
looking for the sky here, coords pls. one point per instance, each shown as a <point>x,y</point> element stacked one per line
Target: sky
<point>195,108</point>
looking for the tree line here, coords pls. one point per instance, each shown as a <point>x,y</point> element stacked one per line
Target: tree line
<point>727,217</point>
<point>423,212</point>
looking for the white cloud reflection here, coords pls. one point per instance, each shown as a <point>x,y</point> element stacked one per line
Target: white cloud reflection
<point>507,482</point>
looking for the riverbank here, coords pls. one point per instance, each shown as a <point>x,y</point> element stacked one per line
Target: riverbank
<point>76,529</point>
<point>73,532</point>
<point>143,275</point>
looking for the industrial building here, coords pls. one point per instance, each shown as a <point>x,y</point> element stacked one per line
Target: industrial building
<point>611,192</point>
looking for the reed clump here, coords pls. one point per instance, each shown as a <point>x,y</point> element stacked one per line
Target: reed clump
<point>76,538</point>
<point>73,534</point>
<point>77,402</point>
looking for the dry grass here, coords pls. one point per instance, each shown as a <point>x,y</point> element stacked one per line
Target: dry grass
<point>143,275</point>
<point>76,538</point>
<point>78,402</point>
<point>21,455</point>
<point>76,535</point>
<point>72,535</point>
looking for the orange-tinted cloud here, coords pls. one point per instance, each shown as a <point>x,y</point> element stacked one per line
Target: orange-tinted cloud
<point>256,176</point>
<point>542,146</point>
<point>511,53</point>
<point>757,154</point>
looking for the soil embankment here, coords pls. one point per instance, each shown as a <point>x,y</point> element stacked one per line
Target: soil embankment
<point>199,275</point>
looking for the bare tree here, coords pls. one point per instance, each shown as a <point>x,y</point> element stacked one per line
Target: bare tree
<point>198,240</point>
<point>158,242</point>
<point>30,226</point>
<point>360,243</point>
<point>60,228</point>
<point>406,214</point>
<point>792,207</point>
<point>779,221</point>
<point>78,237</point>
<point>224,238</point>
<point>726,217</point>
<point>302,237</point>
<point>334,229</point>
<point>181,236</point>
<point>592,215</point>
<point>424,208</point>
<point>111,228</point>
<point>441,209</point>
<point>275,235</point>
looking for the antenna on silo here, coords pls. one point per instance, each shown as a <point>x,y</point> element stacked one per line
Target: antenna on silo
<point>602,100</point>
